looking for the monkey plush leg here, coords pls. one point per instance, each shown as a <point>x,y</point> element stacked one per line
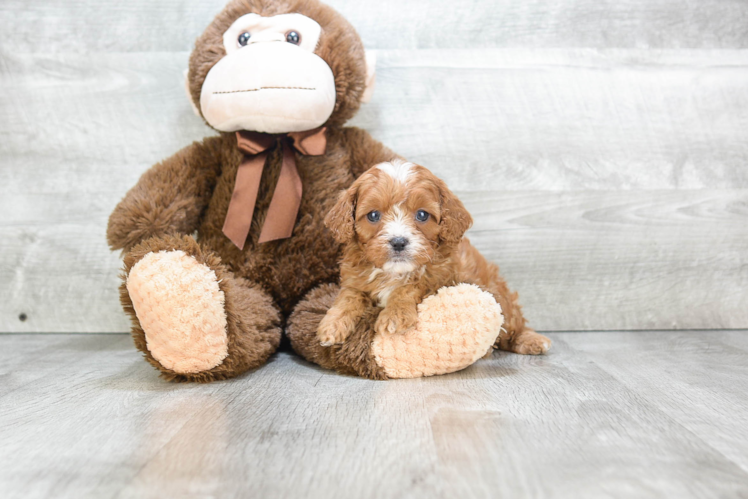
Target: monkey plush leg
<point>192,318</point>
<point>353,357</point>
<point>515,335</point>
<point>456,327</point>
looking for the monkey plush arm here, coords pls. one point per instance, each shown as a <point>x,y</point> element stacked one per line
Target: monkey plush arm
<point>169,198</point>
<point>365,151</point>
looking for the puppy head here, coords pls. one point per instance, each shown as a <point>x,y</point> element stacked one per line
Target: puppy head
<point>399,214</point>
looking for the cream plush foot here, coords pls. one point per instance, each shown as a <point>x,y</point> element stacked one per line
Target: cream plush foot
<point>181,309</point>
<point>456,327</point>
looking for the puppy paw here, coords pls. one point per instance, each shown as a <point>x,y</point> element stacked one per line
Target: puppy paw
<point>396,320</point>
<point>333,329</point>
<point>531,342</point>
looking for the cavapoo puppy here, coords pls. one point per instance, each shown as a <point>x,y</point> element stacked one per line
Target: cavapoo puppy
<point>402,231</point>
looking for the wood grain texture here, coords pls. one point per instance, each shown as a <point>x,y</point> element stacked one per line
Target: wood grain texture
<point>608,182</point>
<point>700,369</point>
<point>172,25</point>
<point>77,137</point>
<point>623,260</point>
<point>581,260</point>
<point>517,119</point>
<point>567,119</point>
<point>644,414</point>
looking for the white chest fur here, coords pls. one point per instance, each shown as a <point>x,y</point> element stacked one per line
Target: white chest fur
<point>387,282</point>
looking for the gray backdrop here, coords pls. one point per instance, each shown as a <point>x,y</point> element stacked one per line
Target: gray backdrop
<point>602,145</point>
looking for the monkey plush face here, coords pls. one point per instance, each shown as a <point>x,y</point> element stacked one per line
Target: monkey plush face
<point>270,79</point>
<point>278,67</point>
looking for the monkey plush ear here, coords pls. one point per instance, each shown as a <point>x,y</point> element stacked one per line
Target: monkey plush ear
<point>341,218</point>
<point>189,95</point>
<point>371,75</point>
<point>455,219</point>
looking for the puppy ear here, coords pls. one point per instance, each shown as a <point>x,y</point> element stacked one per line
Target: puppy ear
<point>455,218</point>
<point>341,218</point>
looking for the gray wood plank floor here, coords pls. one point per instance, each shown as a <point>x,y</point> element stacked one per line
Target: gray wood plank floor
<point>606,414</point>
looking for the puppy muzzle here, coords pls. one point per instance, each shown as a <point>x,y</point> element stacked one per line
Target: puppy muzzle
<point>398,244</point>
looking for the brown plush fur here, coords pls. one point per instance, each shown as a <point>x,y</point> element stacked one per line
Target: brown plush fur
<point>254,331</point>
<point>339,45</point>
<point>163,205</point>
<point>351,358</point>
<point>188,194</point>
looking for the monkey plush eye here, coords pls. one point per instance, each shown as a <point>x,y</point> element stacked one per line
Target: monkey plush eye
<point>422,216</point>
<point>293,37</point>
<point>373,216</point>
<point>244,39</point>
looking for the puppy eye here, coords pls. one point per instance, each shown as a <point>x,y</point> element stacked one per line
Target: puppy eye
<point>244,39</point>
<point>373,216</point>
<point>293,37</point>
<point>422,216</point>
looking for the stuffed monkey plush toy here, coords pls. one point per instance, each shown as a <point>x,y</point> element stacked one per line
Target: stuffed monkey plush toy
<point>224,243</point>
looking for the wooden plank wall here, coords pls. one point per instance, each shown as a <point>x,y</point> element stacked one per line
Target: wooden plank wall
<point>602,145</point>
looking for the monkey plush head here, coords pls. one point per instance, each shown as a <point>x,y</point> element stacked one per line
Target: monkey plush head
<point>278,66</point>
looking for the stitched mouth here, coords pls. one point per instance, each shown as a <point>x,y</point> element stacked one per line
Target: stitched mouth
<point>264,88</point>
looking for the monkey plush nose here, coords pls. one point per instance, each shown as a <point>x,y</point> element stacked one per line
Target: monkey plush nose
<point>399,243</point>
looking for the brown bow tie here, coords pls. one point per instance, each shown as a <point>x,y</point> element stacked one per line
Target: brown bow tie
<point>284,206</point>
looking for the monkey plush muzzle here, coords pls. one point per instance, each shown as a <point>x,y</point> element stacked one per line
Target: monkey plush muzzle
<point>268,86</point>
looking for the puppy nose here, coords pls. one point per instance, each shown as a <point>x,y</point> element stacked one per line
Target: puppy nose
<point>399,243</point>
